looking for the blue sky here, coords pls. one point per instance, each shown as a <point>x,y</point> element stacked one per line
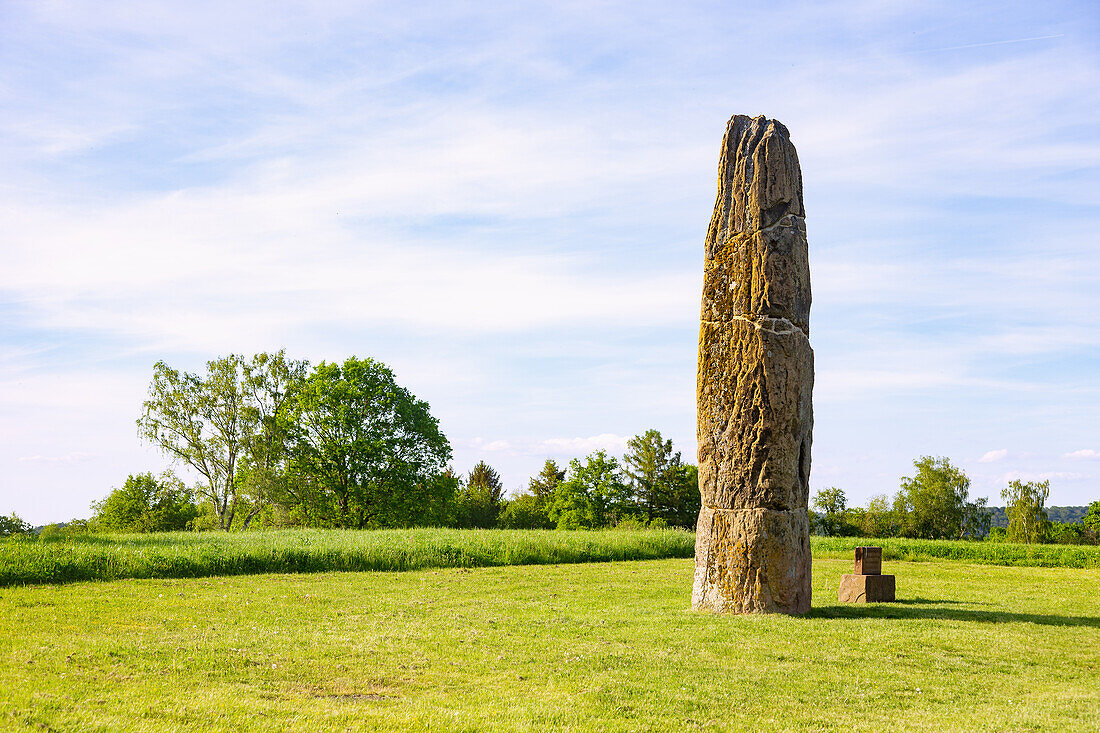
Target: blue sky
<point>507,202</point>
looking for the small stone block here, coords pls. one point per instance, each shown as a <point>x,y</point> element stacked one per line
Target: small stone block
<point>868,561</point>
<point>866,588</point>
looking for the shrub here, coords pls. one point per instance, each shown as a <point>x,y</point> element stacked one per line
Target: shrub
<point>12,525</point>
<point>526,511</point>
<point>146,504</point>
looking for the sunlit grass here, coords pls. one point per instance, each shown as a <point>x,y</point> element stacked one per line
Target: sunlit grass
<point>982,553</point>
<point>607,646</point>
<point>204,554</point>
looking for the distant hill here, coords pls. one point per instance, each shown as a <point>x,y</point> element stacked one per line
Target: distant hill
<point>1071,514</point>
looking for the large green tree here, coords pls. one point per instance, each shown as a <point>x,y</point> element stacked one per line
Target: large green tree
<point>365,452</point>
<point>222,420</point>
<point>270,382</point>
<point>933,503</point>
<point>1027,517</point>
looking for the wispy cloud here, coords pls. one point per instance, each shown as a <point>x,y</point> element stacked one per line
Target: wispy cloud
<point>1085,453</point>
<point>553,447</point>
<point>1042,476</point>
<point>512,214</point>
<point>994,456</point>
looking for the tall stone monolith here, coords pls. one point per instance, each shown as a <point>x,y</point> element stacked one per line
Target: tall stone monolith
<point>755,380</point>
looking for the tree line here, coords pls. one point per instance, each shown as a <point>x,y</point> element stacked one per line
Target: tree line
<point>276,442</point>
<point>934,503</point>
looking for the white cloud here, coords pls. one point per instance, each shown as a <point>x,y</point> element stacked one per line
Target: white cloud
<point>1041,476</point>
<point>993,455</point>
<point>552,447</point>
<point>1087,453</point>
<point>305,195</point>
<point>609,442</point>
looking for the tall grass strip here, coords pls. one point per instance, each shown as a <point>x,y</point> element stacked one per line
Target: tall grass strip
<point>978,553</point>
<point>193,555</point>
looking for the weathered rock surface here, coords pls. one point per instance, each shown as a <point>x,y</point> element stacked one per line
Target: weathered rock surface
<point>755,381</point>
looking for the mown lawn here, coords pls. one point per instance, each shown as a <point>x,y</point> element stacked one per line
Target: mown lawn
<point>607,646</point>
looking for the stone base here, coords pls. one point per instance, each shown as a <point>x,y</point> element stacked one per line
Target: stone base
<point>752,561</point>
<point>866,588</point>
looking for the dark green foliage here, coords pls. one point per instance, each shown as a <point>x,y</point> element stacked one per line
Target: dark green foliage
<point>933,503</point>
<point>1091,520</point>
<point>1071,533</point>
<point>682,509</point>
<point>1027,519</point>
<point>481,498</point>
<point>976,519</point>
<point>364,452</point>
<point>543,485</point>
<point>12,525</point>
<point>652,470</point>
<point>531,509</point>
<point>1066,514</point>
<point>525,511</point>
<point>145,503</point>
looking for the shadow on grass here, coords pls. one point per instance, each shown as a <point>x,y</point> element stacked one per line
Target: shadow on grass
<point>920,608</point>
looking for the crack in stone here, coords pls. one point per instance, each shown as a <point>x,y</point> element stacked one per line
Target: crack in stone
<point>795,221</point>
<point>765,323</point>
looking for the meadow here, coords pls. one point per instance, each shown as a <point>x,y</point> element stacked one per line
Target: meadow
<point>206,554</point>
<point>209,554</point>
<point>979,553</point>
<point>590,646</point>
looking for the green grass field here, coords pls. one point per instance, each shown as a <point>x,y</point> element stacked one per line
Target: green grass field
<point>209,554</point>
<point>982,553</point>
<point>600,646</point>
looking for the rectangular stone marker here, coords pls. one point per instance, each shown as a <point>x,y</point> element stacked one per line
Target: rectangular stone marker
<point>868,561</point>
<point>866,588</point>
<point>867,584</point>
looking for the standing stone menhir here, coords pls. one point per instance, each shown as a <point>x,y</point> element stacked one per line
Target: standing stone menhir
<point>756,374</point>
